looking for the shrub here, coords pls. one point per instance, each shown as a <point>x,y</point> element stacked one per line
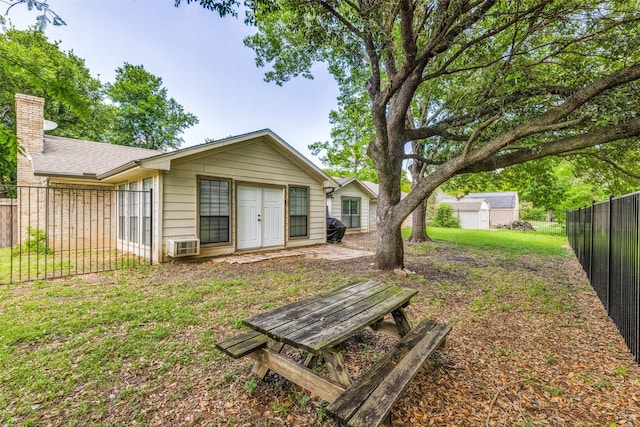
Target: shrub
<point>444,217</point>
<point>534,214</point>
<point>36,242</point>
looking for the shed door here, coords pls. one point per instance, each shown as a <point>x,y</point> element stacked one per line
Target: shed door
<point>484,219</point>
<point>260,217</point>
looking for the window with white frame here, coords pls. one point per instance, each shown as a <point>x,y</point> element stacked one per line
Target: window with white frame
<point>134,211</point>
<point>298,211</point>
<point>351,212</point>
<point>147,185</point>
<point>214,198</point>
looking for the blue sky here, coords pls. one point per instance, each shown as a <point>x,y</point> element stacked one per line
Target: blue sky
<point>202,61</point>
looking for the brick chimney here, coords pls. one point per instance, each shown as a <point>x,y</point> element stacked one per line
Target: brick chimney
<point>30,122</point>
<point>30,133</point>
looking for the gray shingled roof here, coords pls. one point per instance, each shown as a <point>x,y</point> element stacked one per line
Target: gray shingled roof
<point>507,199</point>
<point>75,157</point>
<point>342,180</point>
<point>369,186</point>
<point>465,205</point>
<point>375,188</point>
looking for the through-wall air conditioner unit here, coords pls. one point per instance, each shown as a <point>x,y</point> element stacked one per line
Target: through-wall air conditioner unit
<point>183,246</point>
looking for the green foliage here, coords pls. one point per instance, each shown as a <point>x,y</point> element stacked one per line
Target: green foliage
<point>444,217</point>
<point>35,243</point>
<point>222,7</point>
<point>547,184</point>
<point>8,156</point>
<point>538,182</point>
<point>533,214</point>
<point>351,133</point>
<point>47,15</point>
<point>30,64</point>
<point>146,116</point>
<point>250,385</point>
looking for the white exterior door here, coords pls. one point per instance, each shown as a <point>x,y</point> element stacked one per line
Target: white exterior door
<point>248,210</point>
<point>272,217</point>
<point>260,217</point>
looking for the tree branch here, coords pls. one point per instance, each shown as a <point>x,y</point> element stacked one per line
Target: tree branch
<point>603,159</point>
<point>477,131</point>
<point>425,160</point>
<point>344,21</point>
<point>622,130</point>
<point>551,119</point>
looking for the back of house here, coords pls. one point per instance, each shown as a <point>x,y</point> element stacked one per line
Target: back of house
<point>249,192</point>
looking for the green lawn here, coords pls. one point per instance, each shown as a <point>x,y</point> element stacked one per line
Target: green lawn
<point>34,266</point>
<point>507,241</point>
<point>555,228</point>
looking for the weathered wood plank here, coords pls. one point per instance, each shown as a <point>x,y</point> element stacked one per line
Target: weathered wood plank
<point>402,322</point>
<point>260,370</point>
<point>336,367</point>
<point>242,344</point>
<point>377,406</point>
<point>298,308</point>
<point>300,318</point>
<point>389,328</point>
<point>325,389</point>
<point>333,332</point>
<point>350,401</point>
<point>337,311</point>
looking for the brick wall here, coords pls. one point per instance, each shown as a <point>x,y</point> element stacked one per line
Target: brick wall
<point>30,133</point>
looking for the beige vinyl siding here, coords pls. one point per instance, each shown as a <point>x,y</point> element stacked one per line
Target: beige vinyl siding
<point>373,224</point>
<point>252,163</point>
<point>502,216</point>
<point>352,191</point>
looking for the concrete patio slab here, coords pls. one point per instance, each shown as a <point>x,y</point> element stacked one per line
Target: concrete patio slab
<point>330,252</point>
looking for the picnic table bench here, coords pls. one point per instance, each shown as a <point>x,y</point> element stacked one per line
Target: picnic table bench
<point>319,325</point>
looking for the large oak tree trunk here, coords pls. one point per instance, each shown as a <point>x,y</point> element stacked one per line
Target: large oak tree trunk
<point>419,224</point>
<point>390,251</point>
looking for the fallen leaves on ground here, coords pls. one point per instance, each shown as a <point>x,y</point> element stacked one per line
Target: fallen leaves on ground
<point>531,345</point>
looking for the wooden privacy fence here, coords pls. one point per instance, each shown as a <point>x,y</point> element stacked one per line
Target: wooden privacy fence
<point>64,231</point>
<point>606,240</point>
<point>8,227</point>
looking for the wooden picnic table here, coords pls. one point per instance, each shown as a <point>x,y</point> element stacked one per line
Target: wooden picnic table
<point>319,324</point>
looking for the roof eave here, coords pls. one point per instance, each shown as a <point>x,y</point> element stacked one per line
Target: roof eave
<point>163,161</point>
<point>362,185</point>
<point>85,175</point>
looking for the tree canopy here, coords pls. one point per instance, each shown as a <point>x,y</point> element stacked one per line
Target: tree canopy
<point>146,116</point>
<point>494,83</point>
<point>30,64</point>
<point>139,111</point>
<point>352,130</point>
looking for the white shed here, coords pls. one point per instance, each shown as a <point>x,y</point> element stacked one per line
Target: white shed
<point>504,206</point>
<point>472,213</point>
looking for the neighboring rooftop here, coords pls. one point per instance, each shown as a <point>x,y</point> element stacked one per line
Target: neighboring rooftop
<point>76,157</point>
<point>372,187</point>
<point>466,205</point>
<point>502,200</point>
